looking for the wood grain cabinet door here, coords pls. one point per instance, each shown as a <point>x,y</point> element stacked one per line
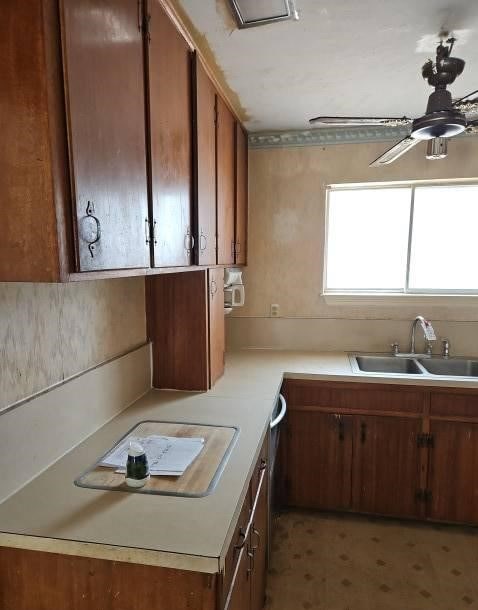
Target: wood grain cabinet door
<point>217,331</point>
<point>319,459</point>
<point>104,80</point>
<point>239,597</point>
<point>170,120</point>
<point>205,165</point>
<point>225,183</point>
<point>240,224</point>
<point>386,465</point>
<point>453,472</point>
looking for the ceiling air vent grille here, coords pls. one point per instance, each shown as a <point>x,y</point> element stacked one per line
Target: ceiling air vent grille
<point>250,13</point>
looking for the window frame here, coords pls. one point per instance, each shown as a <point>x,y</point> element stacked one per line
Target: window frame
<point>375,295</point>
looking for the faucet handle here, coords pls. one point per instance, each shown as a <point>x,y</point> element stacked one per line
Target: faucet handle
<point>395,348</point>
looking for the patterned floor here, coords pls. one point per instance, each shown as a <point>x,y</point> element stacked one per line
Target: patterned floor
<point>335,562</point>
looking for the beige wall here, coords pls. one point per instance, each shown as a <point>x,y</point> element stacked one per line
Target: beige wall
<point>286,242</point>
<point>49,332</point>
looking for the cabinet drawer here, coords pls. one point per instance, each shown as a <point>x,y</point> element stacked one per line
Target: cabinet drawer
<point>238,541</point>
<point>355,396</point>
<point>453,404</point>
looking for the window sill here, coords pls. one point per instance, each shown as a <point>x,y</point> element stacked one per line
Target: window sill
<point>394,299</point>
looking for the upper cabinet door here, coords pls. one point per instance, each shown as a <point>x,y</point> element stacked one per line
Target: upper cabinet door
<point>104,82</point>
<point>205,170</point>
<point>241,196</point>
<point>170,110</point>
<point>225,183</point>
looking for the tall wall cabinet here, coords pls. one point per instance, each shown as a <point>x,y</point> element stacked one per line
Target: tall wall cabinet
<point>119,156</point>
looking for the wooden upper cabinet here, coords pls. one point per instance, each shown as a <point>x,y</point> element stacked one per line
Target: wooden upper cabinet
<point>241,211</point>
<point>104,82</point>
<point>453,471</point>
<point>170,121</point>
<point>205,165</point>
<point>217,330</point>
<point>386,465</point>
<point>225,183</point>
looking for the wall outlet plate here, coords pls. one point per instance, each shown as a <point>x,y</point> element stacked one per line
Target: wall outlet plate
<point>274,310</point>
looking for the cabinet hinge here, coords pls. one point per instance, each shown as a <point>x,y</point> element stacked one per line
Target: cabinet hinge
<point>425,440</point>
<point>423,495</point>
<point>147,27</point>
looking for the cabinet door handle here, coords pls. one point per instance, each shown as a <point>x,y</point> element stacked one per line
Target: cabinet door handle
<point>263,465</point>
<point>238,247</point>
<point>188,241</point>
<point>242,534</point>
<point>256,533</point>
<point>363,432</point>
<point>250,554</point>
<point>202,242</point>
<point>147,233</point>
<point>155,241</point>
<point>90,213</point>
<point>213,288</point>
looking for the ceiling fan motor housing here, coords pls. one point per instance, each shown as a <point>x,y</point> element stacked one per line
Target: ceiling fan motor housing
<point>441,120</point>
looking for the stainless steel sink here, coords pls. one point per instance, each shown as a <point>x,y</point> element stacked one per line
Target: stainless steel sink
<point>451,367</point>
<point>388,364</point>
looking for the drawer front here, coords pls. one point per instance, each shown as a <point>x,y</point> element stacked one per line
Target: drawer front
<point>238,541</point>
<point>355,396</point>
<point>451,404</point>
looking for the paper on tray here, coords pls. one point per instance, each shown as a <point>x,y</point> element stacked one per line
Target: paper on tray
<point>167,455</point>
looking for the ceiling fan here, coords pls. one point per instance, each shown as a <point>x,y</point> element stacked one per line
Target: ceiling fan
<point>444,117</point>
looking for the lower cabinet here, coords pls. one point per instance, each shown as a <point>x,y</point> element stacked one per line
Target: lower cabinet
<point>244,576</point>
<point>453,471</point>
<point>399,451</point>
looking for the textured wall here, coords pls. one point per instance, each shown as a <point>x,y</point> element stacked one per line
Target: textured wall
<point>49,332</point>
<point>286,233</point>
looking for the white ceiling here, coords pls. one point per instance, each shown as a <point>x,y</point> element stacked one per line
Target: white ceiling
<point>342,57</point>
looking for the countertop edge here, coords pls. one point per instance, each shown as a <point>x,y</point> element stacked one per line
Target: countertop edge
<point>178,561</point>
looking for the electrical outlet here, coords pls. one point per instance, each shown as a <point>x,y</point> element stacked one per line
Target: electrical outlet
<point>274,310</point>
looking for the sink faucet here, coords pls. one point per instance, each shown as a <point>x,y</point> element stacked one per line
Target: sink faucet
<point>428,333</point>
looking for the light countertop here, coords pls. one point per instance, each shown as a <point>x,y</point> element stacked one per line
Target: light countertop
<point>50,513</point>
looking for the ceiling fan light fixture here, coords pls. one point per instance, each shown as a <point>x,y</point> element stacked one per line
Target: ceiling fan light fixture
<point>251,13</point>
<point>437,149</point>
<point>446,124</point>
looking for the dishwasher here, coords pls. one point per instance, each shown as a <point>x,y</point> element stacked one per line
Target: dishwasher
<point>277,417</point>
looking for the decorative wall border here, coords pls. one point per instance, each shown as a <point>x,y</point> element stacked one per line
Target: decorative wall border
<point>327,137</point>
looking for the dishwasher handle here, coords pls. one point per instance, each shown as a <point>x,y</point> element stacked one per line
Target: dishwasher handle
<point>282,412</point>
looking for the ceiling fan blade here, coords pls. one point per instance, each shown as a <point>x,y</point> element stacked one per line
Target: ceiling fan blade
<point>350,121</point>
<point>395,152</point>
<point>472,127</point>
<point>465,97</point>
<point>469,107</point>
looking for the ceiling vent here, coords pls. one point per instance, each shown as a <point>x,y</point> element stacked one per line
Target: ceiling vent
<point>250,13</point>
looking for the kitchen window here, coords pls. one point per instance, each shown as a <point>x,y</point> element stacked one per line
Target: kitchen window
<point>402,239</point>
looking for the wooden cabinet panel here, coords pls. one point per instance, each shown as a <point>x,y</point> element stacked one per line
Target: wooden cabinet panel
<point>225,183</point>
<point>238,542</point>
<point>170,108</point>
<point>386,465</point>
<point>217,328</point>
<point>241,211</point>
<point>356,396</point>
<point>205,166</point>
<point>81,583</point>
<point>178,327</point>
<point>259,540</point>
<point>319,460</point>
<point>239,597</point>
<point>453,403</point>
<point>104,80</point>
<point>453,472</point>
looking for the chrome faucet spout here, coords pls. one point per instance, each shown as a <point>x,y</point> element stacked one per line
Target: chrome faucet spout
<point>428,333</point>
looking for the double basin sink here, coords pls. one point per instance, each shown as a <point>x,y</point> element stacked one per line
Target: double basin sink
<point>414,365</point>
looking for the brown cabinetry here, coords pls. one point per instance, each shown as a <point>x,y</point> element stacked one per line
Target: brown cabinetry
<point>244,577</point>
<point>402,451</point>
<point>97,96</point>
<point>104,86</point>
<point>205,165</point>
<point>185,313</point>
<point>225,183</point>
<point>170,133</point>
<point>241,209</point>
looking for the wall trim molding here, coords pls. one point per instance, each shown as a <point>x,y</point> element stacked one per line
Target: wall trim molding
<point>328,137</point>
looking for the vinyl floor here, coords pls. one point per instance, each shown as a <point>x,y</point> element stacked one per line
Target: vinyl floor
<point>343,562</point>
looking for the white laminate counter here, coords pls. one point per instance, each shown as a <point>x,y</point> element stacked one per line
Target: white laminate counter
<point>51,514</point>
